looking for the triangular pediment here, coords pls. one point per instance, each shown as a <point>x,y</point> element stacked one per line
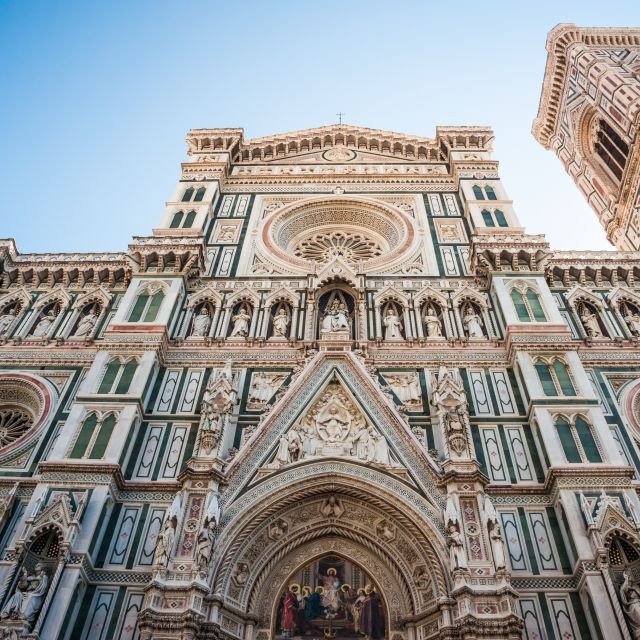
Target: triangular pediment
<point>335,384</point>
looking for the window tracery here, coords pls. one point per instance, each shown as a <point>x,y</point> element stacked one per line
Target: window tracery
<point>325,246</point>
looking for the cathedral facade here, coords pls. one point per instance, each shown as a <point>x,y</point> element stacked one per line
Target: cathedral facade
<point>338,392</point>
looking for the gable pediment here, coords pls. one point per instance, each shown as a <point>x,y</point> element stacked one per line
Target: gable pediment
<point>345,379</point>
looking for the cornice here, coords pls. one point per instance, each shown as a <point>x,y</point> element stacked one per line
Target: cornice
<point>560,42</point>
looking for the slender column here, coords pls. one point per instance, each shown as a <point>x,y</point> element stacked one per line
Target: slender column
<point>407,322</point>
<point>294,323</point>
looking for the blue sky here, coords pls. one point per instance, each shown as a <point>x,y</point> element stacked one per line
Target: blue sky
<point>97,97</point>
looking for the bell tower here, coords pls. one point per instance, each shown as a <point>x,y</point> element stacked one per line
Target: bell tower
<point>589,115</point>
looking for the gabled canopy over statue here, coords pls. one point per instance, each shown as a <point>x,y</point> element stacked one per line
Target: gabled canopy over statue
<point>450,401</point>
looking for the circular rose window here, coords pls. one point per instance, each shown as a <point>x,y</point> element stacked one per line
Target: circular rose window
<point>24,405</point>
<point>316,231</point>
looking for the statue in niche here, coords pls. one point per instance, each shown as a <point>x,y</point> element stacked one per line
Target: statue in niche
<point>164,543</point>
<point>43,325</point>
<point>492,521</point>
<point>86,324</point>
<point>6,320</point>
<point>281,323</point>
<point>590,322</point>
<point>630,598</point>
<point>455,542</point>
<point>240,324</point>
<point>241,574</point>
<point>392,325</point>
<point>204,547</point>
<point>450,401</point>
<point>472,322</point>
<point>406,387</point>
<point>29,596</point>
<point>631,317</point>
<point>336,318</point>
<point>201,323</point>
<point>432,323</point>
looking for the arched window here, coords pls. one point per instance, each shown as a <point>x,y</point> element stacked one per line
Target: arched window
<point>93,437</point>
<point>176,221</point>
<point>488,218</point>
<point>500,219</point>
<point>187,195</point>
<point>118,376</point>
<point>146,307</point>
<point>188,221</point>
<point>577,440</point>
<point>611,149</point>
<point>555,378</point>
<point>477,192</point>
<point>200,194</point>
<point>491,194</point>
<point>528,306</point>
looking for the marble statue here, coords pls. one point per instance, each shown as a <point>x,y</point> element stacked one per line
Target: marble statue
<point>336,318</point>
<point>280,323</point>
<point>472,323</point>
<point>213,512</point>
<point>455,542</point>
<point>240,324</point>
<point>590,323</point>
<point>164,543</point>
<point>632,319</point>
<point>13,606</point>
<point>204,546</point>
<point>432,323</point>
<point>289,448</point>
<point>630,598</point>
<point>86,325</point>
<point>241,574</point>
<point>392,325</point>
<point>201,324</point>
<point>332,507</point>
<point>44,325</point>
<point>36,592</point>
<point>492,521</point>
<point>450,401</point>
<point>6,320</point>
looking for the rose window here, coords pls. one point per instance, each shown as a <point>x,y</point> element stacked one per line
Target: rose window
<point>14,423</point>
<point>316,231</point>
<point>325,246</point>
<point>25,403</point>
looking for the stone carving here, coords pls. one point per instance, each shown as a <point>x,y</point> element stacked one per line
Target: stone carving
<point>278,529</point>
<point>392,325</point>
<point>204,547</point>
<point>241,574</point>
<point>332,507</point>
<point>281,323</point>
<point>406,386</point>
<point>633,322</point>
<point>457,554</point>
<point>590,322</point>
<point>28,597</point>
<point>240,324</point>
<point>333,427</point>
<point>6,502</point>
<point>217,402</point>
<point>263,386</point>
<point>450,402</point>
<point>472,322</point>
<point>492,521</point>
<point>432,323</point>
<point>386,531</point>
<point>630,598</point>
<point>336,319</point>
<point>44,325</point>
<point>164,544</point>
<point>201,323</point>
<point>86,325</point>
<point>6,320</point>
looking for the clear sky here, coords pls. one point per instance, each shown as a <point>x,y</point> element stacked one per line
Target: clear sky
<point>96,97</point>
